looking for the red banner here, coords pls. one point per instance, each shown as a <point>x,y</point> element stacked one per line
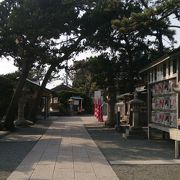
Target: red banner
<point>98,113</point>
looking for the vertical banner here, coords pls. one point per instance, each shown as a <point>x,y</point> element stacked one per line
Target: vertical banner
<point>98,103</point>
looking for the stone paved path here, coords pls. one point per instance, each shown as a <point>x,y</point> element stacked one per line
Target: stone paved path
<point>65,151</point>
<point>14,146</point>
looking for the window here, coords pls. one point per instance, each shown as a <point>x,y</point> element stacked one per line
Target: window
<point>169,68</point>
<point>152,76</point>
<point>161,72</point>
<point>55,100</point>
<point>174,66</point>
<point>155,74</point>
<point>149,76</point>
<point>164,70</point>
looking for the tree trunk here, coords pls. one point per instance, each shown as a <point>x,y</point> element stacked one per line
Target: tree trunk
<point>10,115</point>
<point>37,99</point>
<point>21,105</point>
<point>130,65</point>
<point>160,45</point>
<point>111,107</point>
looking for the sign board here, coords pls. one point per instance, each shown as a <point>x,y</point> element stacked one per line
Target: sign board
<point>55,100</point>
<point>76,102</point>
<point>174,134</point>
<point>97,94</point>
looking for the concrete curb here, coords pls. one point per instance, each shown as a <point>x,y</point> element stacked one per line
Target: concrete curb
<point>146,162</point>
<point>4,133</point>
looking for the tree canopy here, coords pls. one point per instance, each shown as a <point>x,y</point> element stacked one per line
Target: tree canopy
<point>28,33</point>
<point>129,34</point>
<point>33,31</point>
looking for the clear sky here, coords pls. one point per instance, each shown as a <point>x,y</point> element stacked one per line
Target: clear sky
<point>7,66</point>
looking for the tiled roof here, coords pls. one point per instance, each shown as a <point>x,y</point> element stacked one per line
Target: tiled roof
<point>62,87</point>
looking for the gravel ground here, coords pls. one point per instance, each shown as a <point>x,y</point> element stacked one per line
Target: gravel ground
<point>114,147</point>
<point>15,146</point>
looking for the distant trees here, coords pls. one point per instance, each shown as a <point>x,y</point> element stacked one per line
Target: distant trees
<point>82,77</point>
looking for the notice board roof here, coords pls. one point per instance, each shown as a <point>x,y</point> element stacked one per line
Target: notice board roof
<point>162,59</point>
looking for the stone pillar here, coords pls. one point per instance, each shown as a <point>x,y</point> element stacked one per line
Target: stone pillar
<point>136,103</point>
<point>21,104</point>
<point>136,115</point>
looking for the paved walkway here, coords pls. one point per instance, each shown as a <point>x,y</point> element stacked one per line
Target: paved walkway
<point>65,151</point>
<point>14,146</point>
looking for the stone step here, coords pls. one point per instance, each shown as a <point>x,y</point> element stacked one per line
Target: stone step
<point>134,130</point>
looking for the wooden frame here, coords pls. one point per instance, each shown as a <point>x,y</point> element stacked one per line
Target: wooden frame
<point>164,72</point>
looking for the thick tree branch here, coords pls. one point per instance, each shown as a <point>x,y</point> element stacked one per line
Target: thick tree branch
<point>144,4</point>
<point>174,26</point>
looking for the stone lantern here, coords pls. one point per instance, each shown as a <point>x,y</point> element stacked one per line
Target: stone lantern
<point>176,87</point>
<point>21,104</point>
<point>71,105</point>
<point>136,104</point>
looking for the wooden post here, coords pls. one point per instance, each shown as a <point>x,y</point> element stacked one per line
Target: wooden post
<point>178,110</point>
<point>46,107</point>
<point>176,149</point>
<point>149,135</point>
<point>149,108</point>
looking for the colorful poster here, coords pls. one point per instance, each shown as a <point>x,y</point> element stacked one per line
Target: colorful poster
<point>164,104</point>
